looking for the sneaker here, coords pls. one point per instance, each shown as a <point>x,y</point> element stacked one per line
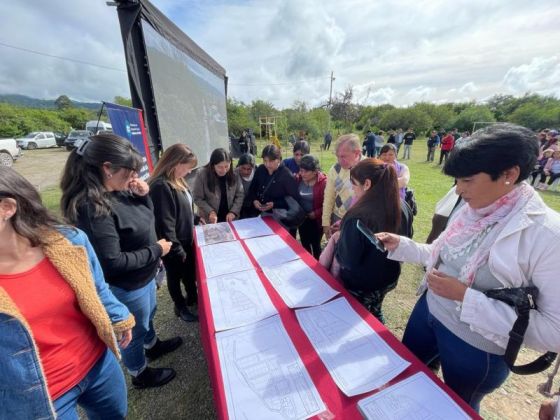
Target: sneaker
<point>163,347</point>
<point>185,314</point>
<point>153,377</point>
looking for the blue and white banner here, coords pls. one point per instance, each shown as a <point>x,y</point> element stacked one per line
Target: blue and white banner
<point>129,123</point>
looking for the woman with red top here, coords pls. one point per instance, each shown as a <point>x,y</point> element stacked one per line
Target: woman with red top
<point>447,144</point>
<point>311,185</point>
<point>59,322</point>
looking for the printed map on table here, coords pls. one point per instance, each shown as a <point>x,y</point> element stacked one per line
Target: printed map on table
<point>417,397</point>
<point>214,233</point>
<point>238,299</point>
<point>263,375</point>
<point>357,358</point>
<point>298,284</point>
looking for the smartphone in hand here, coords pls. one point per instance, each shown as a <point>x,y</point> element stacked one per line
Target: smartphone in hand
<point>370,236</point>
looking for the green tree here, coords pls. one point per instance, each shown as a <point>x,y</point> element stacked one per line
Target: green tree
<point>442,115</point>
<point>343,110</point>
<point>77,117</point>
<point>63,102</point>
<point>535,116</point>
<point>260,108</point>
<point>299,118</point>
<point>239,117</point>
<point>406,118</point>
<point>120,100</point>
<point>475,113</point>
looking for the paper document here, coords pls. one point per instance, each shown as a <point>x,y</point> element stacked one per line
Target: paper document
<point>224,258</point>
<point>299,285</point>
<point>270,250</point>
<point>251,228</point>
<point>238,299</point>
<point>357,358</point>
<point>417,398</point>
<point>263,375</point>
<point>214,233</point>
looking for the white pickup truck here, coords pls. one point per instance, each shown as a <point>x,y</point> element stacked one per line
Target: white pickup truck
<point>9,152</point>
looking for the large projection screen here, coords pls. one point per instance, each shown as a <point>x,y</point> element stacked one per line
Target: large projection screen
<point>190,99</point>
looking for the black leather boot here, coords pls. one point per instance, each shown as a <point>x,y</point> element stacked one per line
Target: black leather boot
<point>153,377</point>
<point>185,314</point>
<point>163,347</point>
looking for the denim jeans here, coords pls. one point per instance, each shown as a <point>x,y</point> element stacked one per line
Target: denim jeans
<point>470,372</point>
<point>102,393</point>
<point>142,304</point>
<point>406,153</point>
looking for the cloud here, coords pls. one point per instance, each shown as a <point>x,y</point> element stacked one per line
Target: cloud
<point>420,94</point>
<point>541,75</point>
<point>281,51</point>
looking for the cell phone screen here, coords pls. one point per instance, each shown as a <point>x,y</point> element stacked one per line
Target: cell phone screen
<point>370,236</point>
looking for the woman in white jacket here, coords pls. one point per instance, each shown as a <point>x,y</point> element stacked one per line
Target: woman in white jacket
<point>504,237</point>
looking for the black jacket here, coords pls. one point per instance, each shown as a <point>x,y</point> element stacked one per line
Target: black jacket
<point>174,218</point>
<point>362,266</point>
<point>125,241</point>
<point>275,187</point>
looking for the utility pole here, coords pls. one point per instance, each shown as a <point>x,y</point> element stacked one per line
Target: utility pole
<point>330,93</point>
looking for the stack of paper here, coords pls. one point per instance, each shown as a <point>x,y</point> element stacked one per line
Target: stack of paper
<point>356,357</point>
<point>417,397</point>
<point>263,375</point>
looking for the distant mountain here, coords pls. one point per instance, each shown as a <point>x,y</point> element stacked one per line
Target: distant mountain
<point>29,102</point>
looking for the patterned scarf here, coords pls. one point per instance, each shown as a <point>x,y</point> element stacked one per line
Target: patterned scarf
<point>477,229</point>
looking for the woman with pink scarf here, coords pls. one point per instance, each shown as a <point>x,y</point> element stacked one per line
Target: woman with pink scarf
<point>504,237</point>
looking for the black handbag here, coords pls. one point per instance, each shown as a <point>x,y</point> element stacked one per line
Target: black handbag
<point>522,299</point>
<point>410,199</point>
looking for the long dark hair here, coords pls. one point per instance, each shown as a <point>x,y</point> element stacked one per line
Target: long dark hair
<point>82,179</point>
<point>31,219</point>
<point>380,206</point>
<point>217,156</point>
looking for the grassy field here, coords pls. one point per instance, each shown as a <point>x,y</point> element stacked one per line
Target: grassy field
<point>190,396</point>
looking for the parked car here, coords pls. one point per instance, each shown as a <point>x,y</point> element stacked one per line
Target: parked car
<point>96,126</point>
<point>60,137</point>
<point>9,152</point>
<point>76,136</point>
<point>37,140</point>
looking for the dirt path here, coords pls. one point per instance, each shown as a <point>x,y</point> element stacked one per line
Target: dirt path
<point>42,167</point>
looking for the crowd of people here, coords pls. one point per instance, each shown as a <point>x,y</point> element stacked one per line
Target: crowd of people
<point>93,298</point>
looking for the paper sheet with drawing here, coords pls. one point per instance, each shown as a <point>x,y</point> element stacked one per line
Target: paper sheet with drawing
<point>238,299</point>
<point>214,233</point>
<point>270,250</point>
<point>263,375</point>
<point>298,284</point>
<point>224,258</point>
<point>357,358</point>
<point>416,398</point>
<point>251,228</point>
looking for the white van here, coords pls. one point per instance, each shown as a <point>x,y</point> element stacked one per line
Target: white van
<point>95,126</point>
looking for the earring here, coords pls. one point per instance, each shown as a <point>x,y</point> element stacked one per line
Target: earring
<point>507,182</point>
<point>109,176</point>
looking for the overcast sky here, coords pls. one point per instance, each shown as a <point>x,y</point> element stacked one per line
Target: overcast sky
<point>398,51</point>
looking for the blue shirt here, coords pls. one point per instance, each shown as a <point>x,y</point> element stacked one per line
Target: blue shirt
<point>291,164</point>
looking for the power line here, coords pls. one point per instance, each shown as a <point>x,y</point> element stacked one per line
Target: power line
<point>279,84</point>
<point>87,63</point>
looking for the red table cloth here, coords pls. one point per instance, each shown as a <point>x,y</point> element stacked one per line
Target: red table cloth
<point>338,405</point>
